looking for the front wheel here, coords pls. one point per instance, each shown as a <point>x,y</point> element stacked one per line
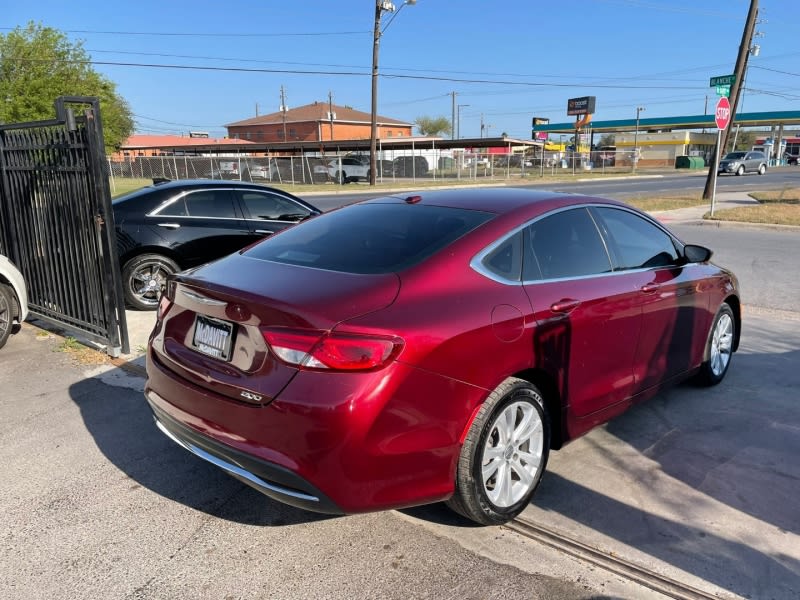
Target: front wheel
<point>142,278</point>
<point>719,347</point>
<point>740,170</point>
<point>504,455</point>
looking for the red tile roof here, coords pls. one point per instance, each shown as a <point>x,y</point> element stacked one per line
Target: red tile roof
<point>318,111</point>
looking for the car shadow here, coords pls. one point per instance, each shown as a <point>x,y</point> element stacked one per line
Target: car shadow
<point>122,426</point>
<point>734,444</point>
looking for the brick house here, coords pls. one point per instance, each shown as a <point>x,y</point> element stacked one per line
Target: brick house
<point>313,123</point>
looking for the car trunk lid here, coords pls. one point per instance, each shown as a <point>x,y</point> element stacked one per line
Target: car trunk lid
<point>212,332</point>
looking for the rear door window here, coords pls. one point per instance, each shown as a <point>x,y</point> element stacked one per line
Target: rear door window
<point>565,244</point>
<point>202,203</point>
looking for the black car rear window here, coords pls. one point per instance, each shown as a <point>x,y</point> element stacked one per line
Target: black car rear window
<point>370,238</point>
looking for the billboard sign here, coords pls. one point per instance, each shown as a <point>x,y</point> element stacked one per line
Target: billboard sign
<point>581,106</point>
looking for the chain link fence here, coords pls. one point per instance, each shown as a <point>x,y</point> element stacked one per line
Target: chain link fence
<point>391,165</point>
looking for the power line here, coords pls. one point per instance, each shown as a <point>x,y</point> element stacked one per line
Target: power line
<point>208,34</point>
<point>352,73</point>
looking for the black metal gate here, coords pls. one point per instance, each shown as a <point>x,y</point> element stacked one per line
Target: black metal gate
<point>57,223</point>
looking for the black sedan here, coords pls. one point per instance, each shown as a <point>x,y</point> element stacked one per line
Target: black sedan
<point>175,225</point>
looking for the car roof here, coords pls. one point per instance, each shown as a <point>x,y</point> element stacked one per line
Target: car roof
<point>183,184</point>
<point>494,200</point>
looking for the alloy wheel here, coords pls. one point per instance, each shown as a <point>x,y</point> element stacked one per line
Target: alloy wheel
<point>512,454</point>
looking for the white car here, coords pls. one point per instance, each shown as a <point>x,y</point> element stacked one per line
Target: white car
<point>344,170</point>
<point>13,299</point>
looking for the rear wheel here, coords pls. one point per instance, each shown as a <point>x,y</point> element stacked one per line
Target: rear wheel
<point>7,304</point>
<point>762,169</point>
<point>719,347</point>
<point>142,278</point>
<point>503,456</point>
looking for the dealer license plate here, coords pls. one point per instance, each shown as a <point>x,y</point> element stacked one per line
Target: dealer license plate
<point>213,337</point>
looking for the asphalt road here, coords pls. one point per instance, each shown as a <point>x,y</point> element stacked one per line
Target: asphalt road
<point>616,187</point>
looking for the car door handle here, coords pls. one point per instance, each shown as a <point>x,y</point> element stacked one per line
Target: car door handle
<point>650,288</point>
<point>170,225</point>
<point>565,305</point>
<point>265,231</point>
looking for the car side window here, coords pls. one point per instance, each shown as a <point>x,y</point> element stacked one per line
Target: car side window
<point>565,244</point>
<point>272,207</point>
<point>505,261</point>
<point>638,243</point>
<point>202,203</point>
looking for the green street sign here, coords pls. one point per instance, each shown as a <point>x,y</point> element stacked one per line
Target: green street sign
<point>724,90</point>
<point>722,80</point>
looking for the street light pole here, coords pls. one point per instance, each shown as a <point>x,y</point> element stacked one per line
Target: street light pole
<point>639,109</point>
<point>458,121</point>
<point>381,6</point>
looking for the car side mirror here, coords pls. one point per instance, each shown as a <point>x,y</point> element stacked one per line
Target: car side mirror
<point>696,254</point>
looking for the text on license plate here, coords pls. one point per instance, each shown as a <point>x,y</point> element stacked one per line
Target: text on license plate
<point>213,337</point>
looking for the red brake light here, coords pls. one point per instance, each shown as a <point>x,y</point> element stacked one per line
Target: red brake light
<point>317,350</point>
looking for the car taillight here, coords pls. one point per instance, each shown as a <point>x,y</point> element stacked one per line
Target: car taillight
<point>318,350</point>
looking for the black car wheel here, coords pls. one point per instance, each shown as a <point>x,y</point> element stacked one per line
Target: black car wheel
<point>142,278</point>
<point>740,170</point>
<point>762,169</point>
<point>504,455</point>
<point>6,313</point>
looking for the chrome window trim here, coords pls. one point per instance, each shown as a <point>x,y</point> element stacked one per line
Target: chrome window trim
<point>477,261</point>
<point>183,193</point>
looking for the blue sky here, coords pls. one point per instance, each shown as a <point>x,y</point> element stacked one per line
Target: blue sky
<point>507,60</point>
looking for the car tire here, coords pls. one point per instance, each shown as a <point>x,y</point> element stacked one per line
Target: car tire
<point>142,278</point>
<point>7,313</point>
<point>740,170</point>
<point>719,347</point>
<point>504,455</point>
<point>341,177</point>
<point>762,169</point>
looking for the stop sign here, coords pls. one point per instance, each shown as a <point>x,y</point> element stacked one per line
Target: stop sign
<point>722,116</point>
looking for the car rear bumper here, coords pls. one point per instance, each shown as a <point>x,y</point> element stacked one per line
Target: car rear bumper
<point>327,443</point>
<point>270,479</point>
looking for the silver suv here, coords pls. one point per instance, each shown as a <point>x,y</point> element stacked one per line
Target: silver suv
<point>743,162</point>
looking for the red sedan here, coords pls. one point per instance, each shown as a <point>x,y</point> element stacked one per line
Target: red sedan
<point>433,346</point>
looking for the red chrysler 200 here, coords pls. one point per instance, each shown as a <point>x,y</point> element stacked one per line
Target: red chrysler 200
<point>432,346</point>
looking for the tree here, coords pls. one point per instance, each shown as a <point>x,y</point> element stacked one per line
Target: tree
<point>745,140</point>
<point>607,139</point>
<point>433,126</point>
<point>38,64</point>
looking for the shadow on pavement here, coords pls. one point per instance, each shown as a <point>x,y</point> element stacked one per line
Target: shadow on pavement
<point>122,426</point>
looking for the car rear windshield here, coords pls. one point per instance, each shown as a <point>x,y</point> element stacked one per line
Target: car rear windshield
<point>370,238</point>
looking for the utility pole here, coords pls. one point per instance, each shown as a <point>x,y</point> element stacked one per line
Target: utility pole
<point>283,112</point>
<point>256,108</point>
<point>741,65</point>
<point>453,118</point>
<point>330,111</point>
